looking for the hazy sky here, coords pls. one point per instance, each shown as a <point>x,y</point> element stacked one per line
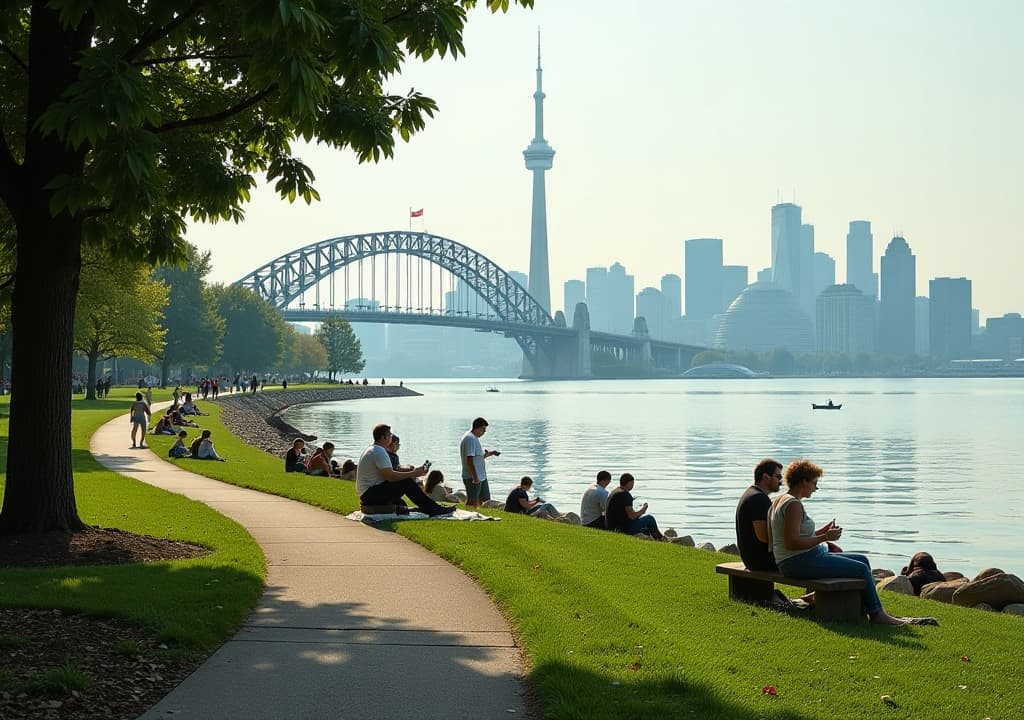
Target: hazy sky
<point>675,119</point>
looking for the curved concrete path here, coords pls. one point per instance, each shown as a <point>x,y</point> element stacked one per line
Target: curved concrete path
<point>354,622</point>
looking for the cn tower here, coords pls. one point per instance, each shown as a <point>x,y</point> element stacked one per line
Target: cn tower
<point>539,156</point>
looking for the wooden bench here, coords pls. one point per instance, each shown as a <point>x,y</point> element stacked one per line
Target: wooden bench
<point>834,598</point>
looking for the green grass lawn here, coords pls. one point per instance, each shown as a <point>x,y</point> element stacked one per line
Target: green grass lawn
<point>619,628</point>
<point>190,604</point>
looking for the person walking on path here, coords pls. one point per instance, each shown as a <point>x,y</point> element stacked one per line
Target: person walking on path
<point>139,416</point>
<point>379,484</point>
<point>474,468</point>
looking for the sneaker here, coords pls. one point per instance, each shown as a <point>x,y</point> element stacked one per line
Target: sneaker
<point>780,600</point>
<point>444,511</point>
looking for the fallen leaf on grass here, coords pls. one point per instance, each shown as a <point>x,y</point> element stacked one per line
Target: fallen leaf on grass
<point>965,658</point>
<point>769,690</point>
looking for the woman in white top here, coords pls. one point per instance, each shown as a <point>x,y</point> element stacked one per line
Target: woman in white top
<point>802,552</point>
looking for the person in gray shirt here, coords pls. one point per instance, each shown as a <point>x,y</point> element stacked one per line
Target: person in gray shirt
<point>595,501</point>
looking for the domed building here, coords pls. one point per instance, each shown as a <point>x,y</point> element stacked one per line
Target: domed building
<point>764,317</point>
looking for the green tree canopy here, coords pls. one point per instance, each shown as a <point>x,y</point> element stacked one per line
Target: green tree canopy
<point>303,354</point>
<point>120,309</point>
<point>344,351</point>
<point>120,119</point>
<point>254,332</point>
<point>194,328</point>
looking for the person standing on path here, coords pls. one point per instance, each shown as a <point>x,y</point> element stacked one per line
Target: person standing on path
<point>377,483</point>
<point>139,415</point>
<point>474,468</point>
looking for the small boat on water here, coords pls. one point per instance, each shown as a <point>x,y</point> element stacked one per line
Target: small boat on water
<point>828,406</point>
<point>491,388</point>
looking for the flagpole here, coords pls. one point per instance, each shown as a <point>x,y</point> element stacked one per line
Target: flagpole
<point>410,218</point>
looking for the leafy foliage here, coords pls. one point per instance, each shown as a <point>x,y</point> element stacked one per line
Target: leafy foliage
<point>344,351</point>
<point>254,333</point>
<point>303,353</point>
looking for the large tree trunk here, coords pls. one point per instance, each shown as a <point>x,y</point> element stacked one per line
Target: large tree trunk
<point>90,383</point>
<point>40,491</point>
<point>165,370</point>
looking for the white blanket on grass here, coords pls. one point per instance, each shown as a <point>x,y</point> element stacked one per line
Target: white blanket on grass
<point>360,516</point>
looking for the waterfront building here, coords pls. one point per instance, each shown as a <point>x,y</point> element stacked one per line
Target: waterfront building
<point>899,288</point>
<point>734,279</point>
<point>573,292</point>
<point>672,294</point>
<point>921,326</point>
<point>949,322</point>
<point>539,157</point>
<point>845,321</point>
<point>859,258</point>
<point>824,272</point>
<point>1004,337</point>
<point>762,318</point>
<point>650,305</point>
<point>703,272</point>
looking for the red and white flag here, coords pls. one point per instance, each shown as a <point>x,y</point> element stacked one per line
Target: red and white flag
<point>416,213</point>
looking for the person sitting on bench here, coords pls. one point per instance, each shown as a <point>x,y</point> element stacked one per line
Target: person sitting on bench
<point>379,484</point>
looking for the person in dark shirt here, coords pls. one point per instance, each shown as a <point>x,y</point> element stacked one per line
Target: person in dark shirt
<point>295,459</point>
<point>620,515</point>
<point>519,502</point>
<point>752,517</point>
<point>392,449</point>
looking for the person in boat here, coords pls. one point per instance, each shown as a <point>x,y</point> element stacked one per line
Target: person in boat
<point>830,403</point>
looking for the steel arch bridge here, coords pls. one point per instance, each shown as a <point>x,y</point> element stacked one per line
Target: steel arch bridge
<point>288,277</point>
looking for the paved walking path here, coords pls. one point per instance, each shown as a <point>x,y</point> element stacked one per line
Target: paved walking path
<point>355,622</point>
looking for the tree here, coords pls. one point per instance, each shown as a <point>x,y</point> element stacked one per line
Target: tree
<point>120,119</point>
<point>120,308</point>
<point>344,351</point>
<point>254,331</point>
<point>194,328</point>
<point>705,357</point>
<point>780,362</point>
<point>304,354</point>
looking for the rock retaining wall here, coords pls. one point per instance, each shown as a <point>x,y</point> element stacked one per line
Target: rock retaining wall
<point>255,418</point>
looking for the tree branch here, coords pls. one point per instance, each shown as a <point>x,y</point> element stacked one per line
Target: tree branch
<point>182,58</point>
<point>218,116</point>
<point>21,63</point>
<point>148,38</point>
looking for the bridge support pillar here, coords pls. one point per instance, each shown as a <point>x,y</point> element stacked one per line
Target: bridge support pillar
<point>565,356</point>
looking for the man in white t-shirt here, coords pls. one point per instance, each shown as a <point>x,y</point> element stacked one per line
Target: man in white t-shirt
<point>595,501</point>
<point>474,469</point>
<point>380,484</point>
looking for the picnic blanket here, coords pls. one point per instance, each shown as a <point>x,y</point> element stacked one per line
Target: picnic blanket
<point>464,515</point>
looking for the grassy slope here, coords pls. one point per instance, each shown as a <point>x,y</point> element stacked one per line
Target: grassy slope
<point>191,603</point>
<point>618,628</point>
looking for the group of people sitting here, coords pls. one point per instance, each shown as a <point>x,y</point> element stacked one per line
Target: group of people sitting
<point>320,462</point>
<point>200,448</point>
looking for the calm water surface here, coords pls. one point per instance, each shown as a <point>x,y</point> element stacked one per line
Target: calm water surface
<point>910,465</point>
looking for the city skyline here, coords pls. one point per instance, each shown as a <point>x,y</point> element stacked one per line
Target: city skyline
<point>893,115</point>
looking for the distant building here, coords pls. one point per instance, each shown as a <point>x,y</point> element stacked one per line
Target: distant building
<point>573,292</point>
<point>597,299</point>
<point>859,254</point>
<point>672,292</point>
<point>949,324</point>
<point>824,272</point>
<point>762,318</point>
<point>521,278</point>
<point>703,271</point>
<point>845,320</point>
<point>807,293</point>
<point>650,305</point>
<point>1004,336</point>
<point>764,276</point>
<point>899,288</point>
<point>621,299</point>
<point>787,248</point>
<point>921,326</point>
<point>735,279</point>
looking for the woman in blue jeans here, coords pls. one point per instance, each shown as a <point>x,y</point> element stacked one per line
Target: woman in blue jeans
<point>801,551</point>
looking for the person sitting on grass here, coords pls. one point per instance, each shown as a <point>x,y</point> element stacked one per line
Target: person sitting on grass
<point>320,462</point>
<point>190,408</point>
<point>295,458</point>
<point>179,449</point>
<point>594,502</point>
<point>519,502</point>
<point>379,484</point>
<point>437,490</point>
<point>801,551</point>
<point>164,426</point>
<point>179,421</point>
<point>348,470</point>
<point>620,515</point>
<point>205,450</point>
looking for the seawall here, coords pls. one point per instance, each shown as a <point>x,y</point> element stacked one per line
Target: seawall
<point>255,418</point>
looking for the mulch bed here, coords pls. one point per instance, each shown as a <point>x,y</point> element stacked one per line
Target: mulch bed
<point>54,665</point>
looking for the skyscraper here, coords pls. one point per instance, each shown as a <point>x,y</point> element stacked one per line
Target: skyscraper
<point>824,272</point>
<point>597,298</point>
<point>573,292</point>
<point>539,157</point>
<point>845,321</point>
<point>650,305</point>
<point>786,248</point>
<point>921,326</point>
<point>949,311</point>
<point>735,279</point>
<point>899,288</point>
<point>807,294</point>
<point>621,300</point>
<point>703,273</point>
<point>672,290</point>
<point>859,252</point>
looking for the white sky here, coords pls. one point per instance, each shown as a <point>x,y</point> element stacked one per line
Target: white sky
<point>674,119</point>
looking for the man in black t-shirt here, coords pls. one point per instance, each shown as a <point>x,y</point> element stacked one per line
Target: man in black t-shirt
<point>620,515</point>
<point>519,501</point>
<point>752,516</point>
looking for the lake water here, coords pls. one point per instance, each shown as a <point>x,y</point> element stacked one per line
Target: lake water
<point>910,465</point>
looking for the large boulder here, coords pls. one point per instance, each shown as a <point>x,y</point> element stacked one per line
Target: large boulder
<point>494,504</point>
<point>942,591</point>
<point>707,546</point>
<point>685,541</point>
<point>953,575</point>
<point>1014,609</point>
<point>671,533</point>
<point>996,590</point>
<point>571,518</point>
<point>730,549</point>
<point>898,584</point>
<point>988,572</point>
<point>984,606</point>
<point>882,573</point>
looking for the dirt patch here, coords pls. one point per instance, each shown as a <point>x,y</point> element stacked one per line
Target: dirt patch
<point>55,666</point>
<point>94,546</point>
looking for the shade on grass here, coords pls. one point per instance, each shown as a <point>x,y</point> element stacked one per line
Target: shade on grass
<point>614,627</point>
<point>190,603</point>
